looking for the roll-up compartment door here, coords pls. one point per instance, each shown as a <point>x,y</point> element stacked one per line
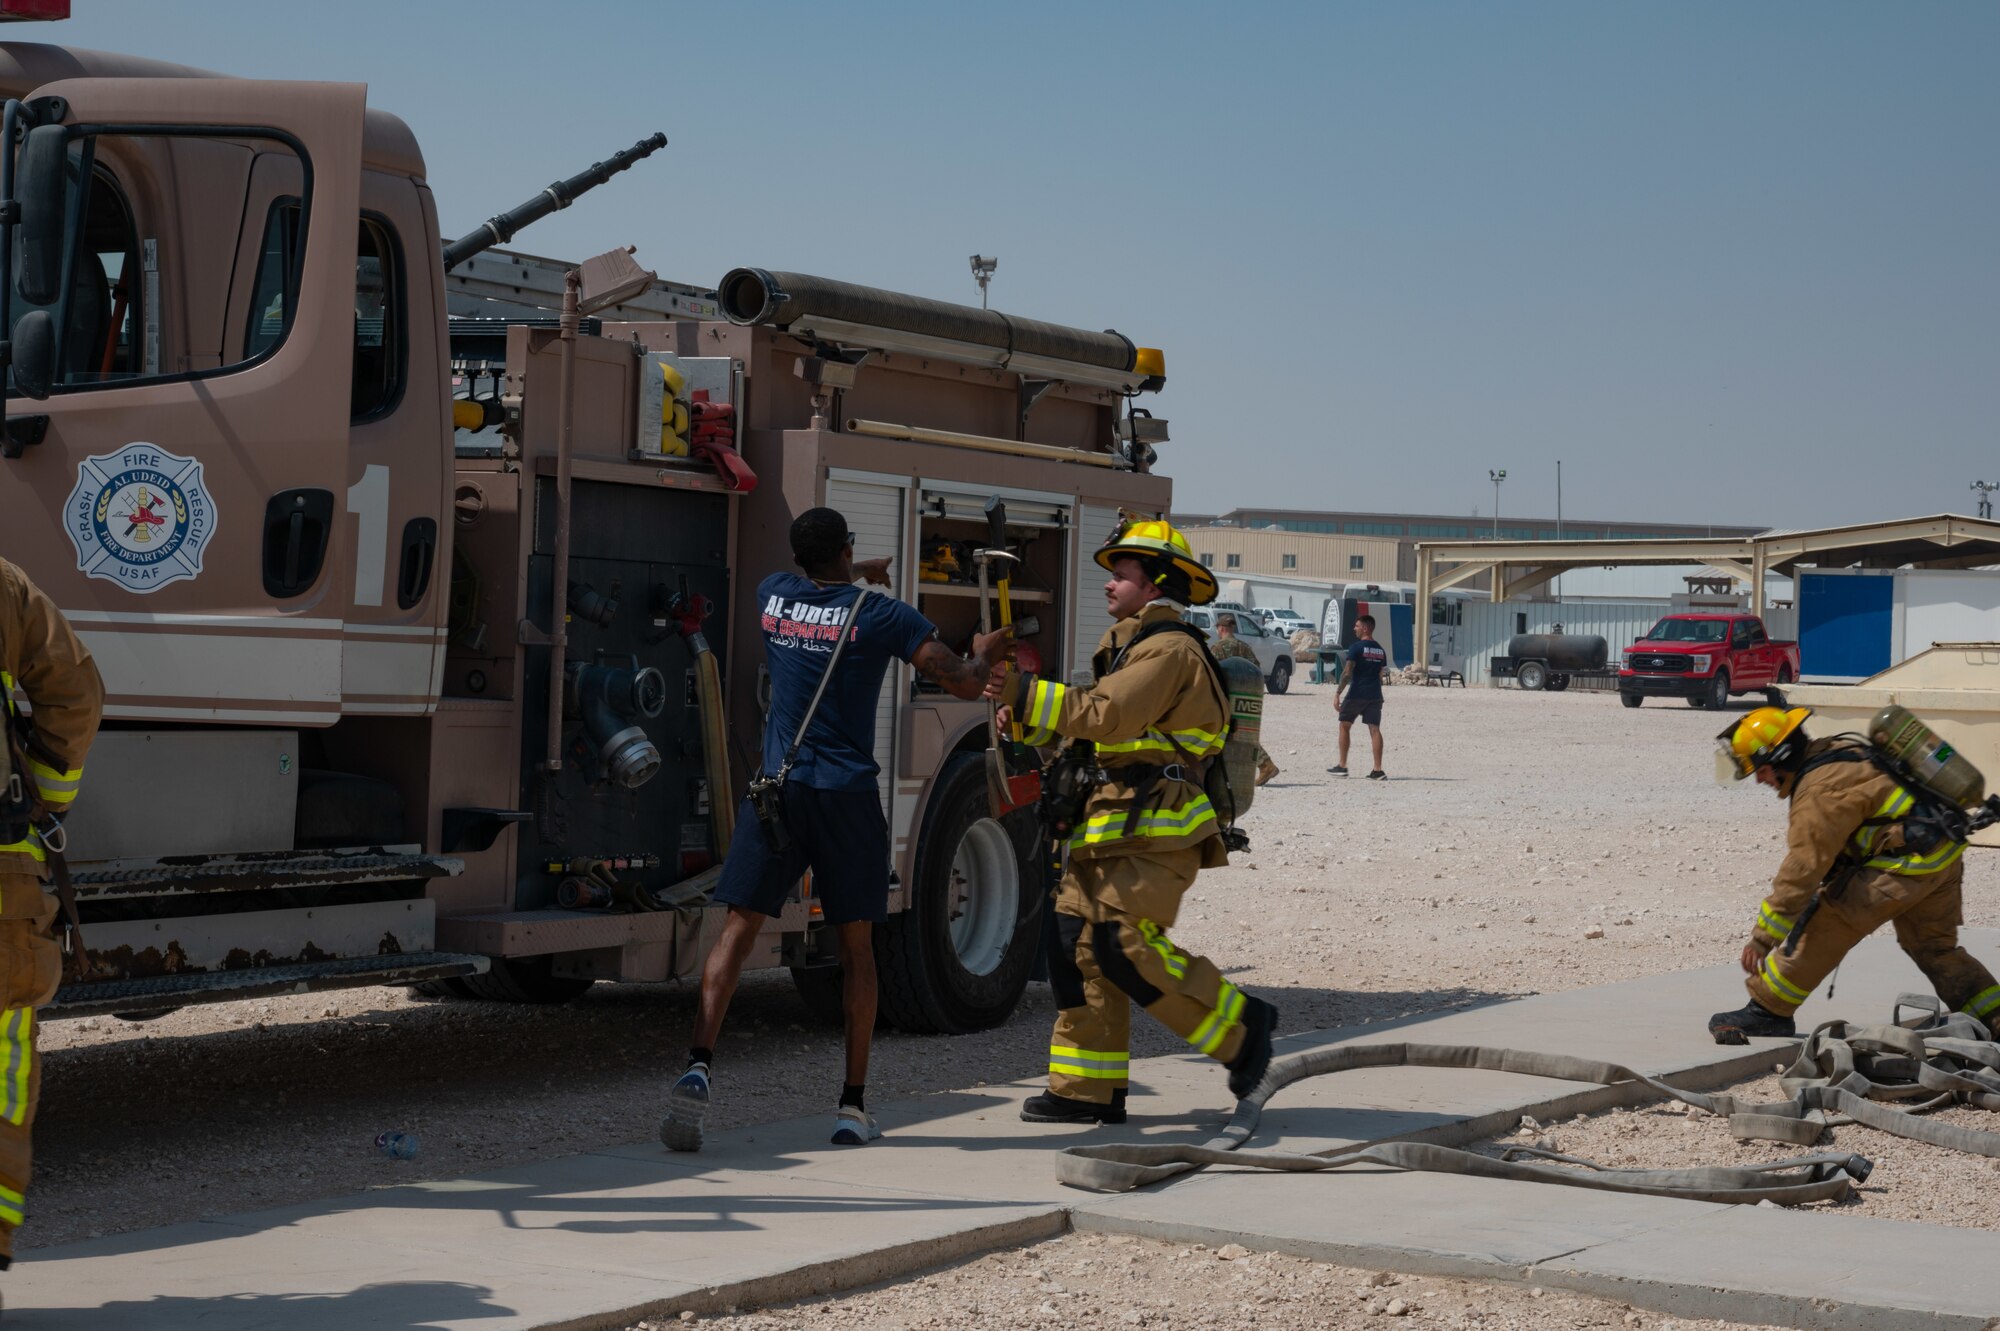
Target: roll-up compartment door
<point>1093,621</point>
<point>874,513</point>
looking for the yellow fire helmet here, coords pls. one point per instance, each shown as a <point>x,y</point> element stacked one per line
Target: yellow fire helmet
<point>1165,555</point>
<point>1760,738</point>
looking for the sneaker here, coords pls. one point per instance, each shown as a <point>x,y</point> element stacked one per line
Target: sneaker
<point>854,1127</point>
<point>687,1105</point>
<point>1247,1069</point>
<point>1048,1107</point>
<point>1338,771</point>
<point>1752,1018</point>
<point>1378,775</point>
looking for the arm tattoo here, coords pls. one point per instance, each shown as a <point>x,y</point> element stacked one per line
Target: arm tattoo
<point>962,677</point>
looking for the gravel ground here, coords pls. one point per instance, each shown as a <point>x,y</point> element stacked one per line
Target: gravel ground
<point>1112,1281</point>
<point>1514,827</point>
<point>1912,1180</point>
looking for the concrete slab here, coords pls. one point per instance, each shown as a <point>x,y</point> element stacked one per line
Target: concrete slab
<point>773,1212</point>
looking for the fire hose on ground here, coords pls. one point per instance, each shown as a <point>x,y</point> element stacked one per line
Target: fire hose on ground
<point>1882,1077</point>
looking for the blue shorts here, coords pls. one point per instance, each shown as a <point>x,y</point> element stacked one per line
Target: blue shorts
<point>839,834</point>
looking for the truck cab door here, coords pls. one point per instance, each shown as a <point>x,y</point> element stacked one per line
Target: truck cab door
<point>181,505</point>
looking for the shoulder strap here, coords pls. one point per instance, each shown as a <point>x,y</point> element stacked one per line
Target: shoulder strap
<point>851,628</point>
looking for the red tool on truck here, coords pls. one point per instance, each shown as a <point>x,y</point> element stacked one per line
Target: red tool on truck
<point>1705,658</point>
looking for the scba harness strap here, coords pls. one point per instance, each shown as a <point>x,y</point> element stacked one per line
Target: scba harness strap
<point>1211,773</point>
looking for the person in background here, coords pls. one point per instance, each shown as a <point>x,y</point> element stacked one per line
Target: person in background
<point>1226,644</point>
<point>1361,682</point>
<point>831,807</point>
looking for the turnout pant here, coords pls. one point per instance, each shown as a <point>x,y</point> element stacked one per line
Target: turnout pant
<point>1926,910</point>
<point>1108,949</point>
<point>30,971</point>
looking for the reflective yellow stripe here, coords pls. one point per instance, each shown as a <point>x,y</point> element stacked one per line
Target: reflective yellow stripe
<point>32,848</point>
<point>1780,986</point>
<point>1773,923</point>
<point>1174,959</point>
<point>11,1204</point>
<point>1900,802</point>
<point>1214,1029</point>
<point>1110,826</point>
<point>17,1045</point>
<point>1198,743</point>
<point>1984,1002</point>
<point>1096,1064</point>
<point>1045,704</point>
<point>55,787</point>
<point>10,1212</point>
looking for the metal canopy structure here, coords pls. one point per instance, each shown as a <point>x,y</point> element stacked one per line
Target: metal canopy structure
<point>1944,541</point>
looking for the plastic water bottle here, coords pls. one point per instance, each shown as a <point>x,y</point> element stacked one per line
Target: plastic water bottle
<point>397,1145</point>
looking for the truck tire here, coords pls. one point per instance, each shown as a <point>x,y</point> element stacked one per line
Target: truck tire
<point>452,986</point>
<point>1784,674</point>
<point>1532,676</point>
<point>1280,678</point>
<point>1558,681</point>
<point>1718,690</point>
<point>1631,699</point>
<point>525,980</point>
<point>957,958</point>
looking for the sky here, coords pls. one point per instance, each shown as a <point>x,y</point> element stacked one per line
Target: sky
<point>1728,263</point>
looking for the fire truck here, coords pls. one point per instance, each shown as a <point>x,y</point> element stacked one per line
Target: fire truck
<point>421,575</point>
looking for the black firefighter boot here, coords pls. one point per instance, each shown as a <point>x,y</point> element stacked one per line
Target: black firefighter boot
<point>1048,1107</point>
<point>1753,1018</point>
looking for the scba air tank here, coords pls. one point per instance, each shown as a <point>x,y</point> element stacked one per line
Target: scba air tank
<point>1898,733</point>
<point>1243,682</point>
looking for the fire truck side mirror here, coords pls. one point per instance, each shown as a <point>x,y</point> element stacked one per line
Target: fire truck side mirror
<point>34,361</point>
<point>38,187</point>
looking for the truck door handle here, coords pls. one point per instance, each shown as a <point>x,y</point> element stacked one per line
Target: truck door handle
<point>297,524</point>
<point>413,576</point>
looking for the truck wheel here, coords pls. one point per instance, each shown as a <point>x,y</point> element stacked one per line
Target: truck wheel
<point>1631,699</point>
<point>1281,676</point>
<point>452,986</point>
<point>1532,676</point>
<point>1718,690</point>
<point>1784,675</point>
<point>525,980</point>
<point>957,959</point>
<point>1558,682</point>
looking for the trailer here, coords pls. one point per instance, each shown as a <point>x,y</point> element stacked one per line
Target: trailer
<point>428,641</point>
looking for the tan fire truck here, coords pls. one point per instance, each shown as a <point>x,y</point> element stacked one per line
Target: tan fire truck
<point>417,573</point>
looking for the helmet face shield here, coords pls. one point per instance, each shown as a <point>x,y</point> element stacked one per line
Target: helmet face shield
<point>1729,768</point>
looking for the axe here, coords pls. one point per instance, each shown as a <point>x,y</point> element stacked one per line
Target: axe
<point>1013,777</point>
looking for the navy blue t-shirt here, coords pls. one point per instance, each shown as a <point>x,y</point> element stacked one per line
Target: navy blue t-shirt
<point>1364,672</point>
<point>801,621</point>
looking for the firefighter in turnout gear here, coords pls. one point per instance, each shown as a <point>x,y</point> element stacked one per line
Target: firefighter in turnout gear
<point>41,658</point>
<point>1141,735</point>
<point>1856,860</point>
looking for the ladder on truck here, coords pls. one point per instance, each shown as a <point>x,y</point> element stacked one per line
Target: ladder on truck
<point>515,287</point>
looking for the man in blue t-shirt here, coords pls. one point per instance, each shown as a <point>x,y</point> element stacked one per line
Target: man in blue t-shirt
<point>830,805</point>
<point>1361,680</point>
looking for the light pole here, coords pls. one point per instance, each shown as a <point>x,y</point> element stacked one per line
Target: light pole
<point>1983,489</point>
<point>982,273</point>
<point>1498,476</point>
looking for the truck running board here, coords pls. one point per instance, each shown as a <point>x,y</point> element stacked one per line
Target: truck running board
<point>166,992</point>
<point>236,873</point>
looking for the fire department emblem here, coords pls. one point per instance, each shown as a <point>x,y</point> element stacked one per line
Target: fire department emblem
<point>139,516</point>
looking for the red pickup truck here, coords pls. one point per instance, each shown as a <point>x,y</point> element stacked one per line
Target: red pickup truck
<point>1704,658</point>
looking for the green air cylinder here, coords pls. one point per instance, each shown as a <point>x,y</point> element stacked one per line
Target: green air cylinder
<point>1897,732</point>
<point>1244,683</point>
